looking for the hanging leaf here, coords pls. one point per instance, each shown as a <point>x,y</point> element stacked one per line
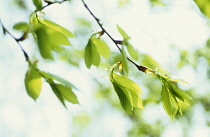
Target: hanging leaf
<point>57,78</point>
<point>56,27</point>
<point>102,48</point>
<point>126,83</point>
<point>123,33</point>
<point>173,98</point>
<point>21,26</point>
<point>50,40</point>
<point>169,102</point>
<point>133,52</point>
<point>124,63</point>
<point>127,91</point>
<point>123,99</point>
<point>38,4</point>
<point>67,93</point>
<point>92,56</point>
<point>56,91</point>
<point>33,82</point>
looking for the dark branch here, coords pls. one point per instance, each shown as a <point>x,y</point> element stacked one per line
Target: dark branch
<point>101,26</point>
<point>17,40</point>
<point>116,42</point>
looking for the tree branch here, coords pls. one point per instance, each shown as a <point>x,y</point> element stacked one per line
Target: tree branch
<point>16,40</point>
<point>116,42</point>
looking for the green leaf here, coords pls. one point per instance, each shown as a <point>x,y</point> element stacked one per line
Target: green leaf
<point>125,63</point>
<point>133,52</point>
<point>38,4</point>
<point>67,93</point>
<point>22,26</point>
<point>50,40</point>
<point>56,27</point>
<point>127,91</point>
<point>126,83</point>
<point>169,102</point>
<point>102,48</point>
<point>123,99</point>
<point>92,56</point>
<point>33,82</point>
<point>44,43</point>
<point>123,33</point>
<point>33,19</point>
<point>204,6</point>
<point>173,98</point>
<point>57,78</point>
<point>57,92</point>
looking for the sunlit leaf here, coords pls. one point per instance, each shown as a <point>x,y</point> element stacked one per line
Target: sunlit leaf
<point>124,63</point>
<point>127,91</point>
<point>169,102</point>
<point>38,4</point>
<point>123,33</point>
<point>126,83</point>
<point>57,92</point>
<point>57,78</point>
<point>92,56</point>
<point>204,6</point>
<point>44,43</point>
<point>33,19</point>
<point>123,99</point>
<point>33,82</point>
<point>22,26</point>
<point>56,27</point>
<point>50,40</point>
<point>67,93</point>
<point>173,98</point>
<point>102,48</point>
<point>133,52</point>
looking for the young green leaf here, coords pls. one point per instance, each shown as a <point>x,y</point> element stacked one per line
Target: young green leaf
<point>124,63</point>
<point>67,93</point>
<point>56,91</point>
<point>59,79</point>
<point>127,91</point>
<point>123,33</point>
<point>123,99</point>
<point>92,56</point>
<point>22,26</point>
<point>133,52</point>
<point>102,48</point>
<point>126,83</point>
<point>44,43</point>
<point>172,97</point>
<point>169,102</point>
<point>50,40</point>
<point>33,82</point>
<point>56,27</point>
<point>38,4</point>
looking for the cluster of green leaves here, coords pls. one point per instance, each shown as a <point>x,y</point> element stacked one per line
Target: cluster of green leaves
<point>128,92</point>
<point>61,88</point>
<point>204,6</point>
<point>50,37</point>
<point>94,50</point>
<point>173,98</point>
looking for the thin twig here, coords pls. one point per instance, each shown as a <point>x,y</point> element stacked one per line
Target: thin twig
<point>16,40</point>
<point>101,26</point>
<point>116,42</point>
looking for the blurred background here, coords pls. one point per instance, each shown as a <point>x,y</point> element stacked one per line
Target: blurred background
<point>171,35</point>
